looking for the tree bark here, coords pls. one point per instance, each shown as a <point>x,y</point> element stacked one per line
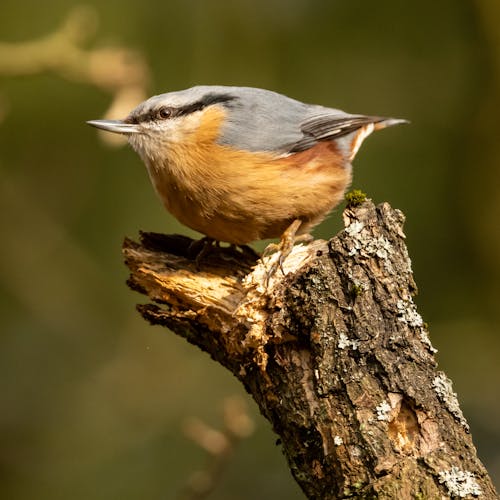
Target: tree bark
<point>333,351</point>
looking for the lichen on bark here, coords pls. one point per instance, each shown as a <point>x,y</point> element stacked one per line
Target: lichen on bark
<point>334,352</point>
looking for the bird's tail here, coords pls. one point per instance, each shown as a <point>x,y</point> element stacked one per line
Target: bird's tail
<point>388,122</point>
<point>363,132</point>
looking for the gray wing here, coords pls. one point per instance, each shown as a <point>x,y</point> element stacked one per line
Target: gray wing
<point>262,120</point>
<point>330,126</point>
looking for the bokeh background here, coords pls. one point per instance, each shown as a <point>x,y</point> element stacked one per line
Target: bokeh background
<point>93,400</point>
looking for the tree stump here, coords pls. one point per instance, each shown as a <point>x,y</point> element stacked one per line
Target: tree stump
<point>333,351</point>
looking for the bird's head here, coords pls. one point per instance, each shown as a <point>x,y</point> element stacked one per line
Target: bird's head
<point>172,119</point>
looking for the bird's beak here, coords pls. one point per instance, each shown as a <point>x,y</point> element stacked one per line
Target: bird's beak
<point>116,126</point>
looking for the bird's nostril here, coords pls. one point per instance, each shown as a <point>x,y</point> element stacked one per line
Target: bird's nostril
<point>131,119</point>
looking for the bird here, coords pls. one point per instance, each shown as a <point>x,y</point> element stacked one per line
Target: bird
<point>242,164</point>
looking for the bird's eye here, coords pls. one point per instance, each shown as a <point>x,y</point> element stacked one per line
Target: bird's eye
<point>164,113</point>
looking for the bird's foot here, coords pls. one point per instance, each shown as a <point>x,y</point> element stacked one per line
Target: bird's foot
<point>284,248</point>
<point>199,249</point>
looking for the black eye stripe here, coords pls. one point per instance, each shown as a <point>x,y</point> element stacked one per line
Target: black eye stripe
<point>207,100</point>
<point>166,112</point>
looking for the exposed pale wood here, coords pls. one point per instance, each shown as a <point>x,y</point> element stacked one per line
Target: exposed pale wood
<point>334,353</point>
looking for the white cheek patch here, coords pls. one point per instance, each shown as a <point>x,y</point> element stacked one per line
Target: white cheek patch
<point>358,139</point>
<point>170,130</point>
<point>156,136</point>
<point>178,129</point>
<point>158,132</point>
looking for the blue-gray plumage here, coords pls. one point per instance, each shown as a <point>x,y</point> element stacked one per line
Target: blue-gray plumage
<point>263,120</point>
<point>239,163</point>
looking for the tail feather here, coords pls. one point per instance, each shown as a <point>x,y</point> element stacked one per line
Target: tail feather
<point>389,122</point>
<point>362,133</point>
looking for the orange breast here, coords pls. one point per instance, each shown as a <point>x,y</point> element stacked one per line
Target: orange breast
<point>242,196</point>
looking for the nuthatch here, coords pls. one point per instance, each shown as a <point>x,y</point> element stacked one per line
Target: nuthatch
<point>240,164</point>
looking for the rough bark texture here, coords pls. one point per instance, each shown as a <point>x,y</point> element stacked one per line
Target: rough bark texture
<point>334,353</point>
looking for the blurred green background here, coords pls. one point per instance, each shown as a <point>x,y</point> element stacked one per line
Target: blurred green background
<point>92,399</point>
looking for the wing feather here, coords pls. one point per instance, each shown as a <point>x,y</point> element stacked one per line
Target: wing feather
<point>330,126</point>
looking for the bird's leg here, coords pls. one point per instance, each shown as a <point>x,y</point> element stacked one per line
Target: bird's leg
<point>201,248</point>
<point>284,247</point>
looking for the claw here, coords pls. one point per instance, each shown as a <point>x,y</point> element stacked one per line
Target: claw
<point>201,248</point>
<point>281,261</point>
<point>284,248</point>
